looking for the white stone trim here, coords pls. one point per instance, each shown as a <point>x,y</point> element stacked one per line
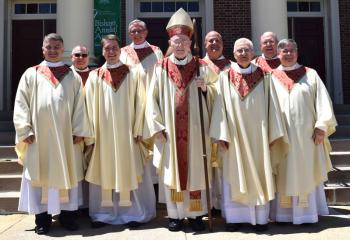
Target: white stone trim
<point>335,50</point>
<point>129,16</point>
<point>75,25</point>
<point>31,16</point>
<point>268,15</point>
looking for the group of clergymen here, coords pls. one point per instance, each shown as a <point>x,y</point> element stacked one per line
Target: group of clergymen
<point>135,121</point>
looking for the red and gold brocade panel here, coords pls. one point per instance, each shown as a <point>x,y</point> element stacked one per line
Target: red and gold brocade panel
<point>268,64</point>
<point>182,76</point>
<point>114,76</point>
<point>84,76</point>
<point>289,78</point>
<point>245,83</point>
<point>138,55</point>
<point>53,74</point>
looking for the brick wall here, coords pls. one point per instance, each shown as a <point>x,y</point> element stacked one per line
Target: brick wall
<point>232,19</point>
<point>123,10</point>
<point>344,15</point>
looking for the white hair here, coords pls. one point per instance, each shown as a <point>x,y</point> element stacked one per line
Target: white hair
<point>243,40</point>
<point>138,22</point>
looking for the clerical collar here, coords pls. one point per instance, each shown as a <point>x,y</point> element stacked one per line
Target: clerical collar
<point>52,64</point>
<point>139,46</point>
<point>247,70</point>
<point>118,64</point>
<point>263,56</point>
<point>220,58</point>
<point>81,70</point>
<point>184,61</point>
<point>295,66</point>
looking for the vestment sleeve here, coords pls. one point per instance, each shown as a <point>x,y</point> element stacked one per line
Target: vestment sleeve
<point>22,117</point>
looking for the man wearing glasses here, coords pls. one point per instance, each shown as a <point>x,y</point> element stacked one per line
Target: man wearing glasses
<point>172,116</point>
<point>121,189</point>
<point>309,118</point>
<point>144,56</point>
<point>246,120</point>
<point>80,62</point>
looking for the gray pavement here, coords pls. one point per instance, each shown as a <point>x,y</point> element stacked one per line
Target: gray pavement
<point>332,227</point>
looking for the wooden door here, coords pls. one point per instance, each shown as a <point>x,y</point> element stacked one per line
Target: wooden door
<point>157,34</point>
<point>309,35</point>
<point>27,39</point>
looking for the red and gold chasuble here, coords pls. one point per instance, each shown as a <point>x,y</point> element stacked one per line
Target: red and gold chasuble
<point>218,65</point>
<point>268,64</point>
<point>245,83</point>
<point>113,76</point>
<point>137,55</point>
<point>289,78</point>
<point>182,76</point>
<point>53,74</point>
<point>84,76</point>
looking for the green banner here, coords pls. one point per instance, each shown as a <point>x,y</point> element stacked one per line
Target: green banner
<point>107,19</point>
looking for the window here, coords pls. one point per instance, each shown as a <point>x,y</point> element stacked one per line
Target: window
<point>35,8</point>
<point>304,6</point>
<point>168,6</point>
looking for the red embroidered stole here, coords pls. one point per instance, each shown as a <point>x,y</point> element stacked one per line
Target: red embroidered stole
<point>84,76</point>
<point>182,76</point>
<point>53,74</point>
<point>113,76</point>
<point>289,78</point>
<point>245,83</point>
<point>138,55</point>
<point>218,65</point>
<point>268,64</point>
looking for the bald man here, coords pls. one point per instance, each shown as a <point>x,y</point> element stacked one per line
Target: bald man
<point>268,46</point>
<point>214,46</point>
<point>80,61</point>
<point>217,62</point>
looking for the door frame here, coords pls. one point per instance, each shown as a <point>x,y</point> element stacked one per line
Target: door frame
<point>12,16</point>
<point>206,12</point>
<point>330,14</point>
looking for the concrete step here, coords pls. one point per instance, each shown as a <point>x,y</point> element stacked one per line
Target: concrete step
<point>10,167</point>
<point>10,182</point>
<point>9,202</point>
<point>337,194</point>
<point>340,144</point>
<point>7,152</point>
<point>342,132</point>
<point>7,138</point>
<point>339,175</point>
<point>340,159</point>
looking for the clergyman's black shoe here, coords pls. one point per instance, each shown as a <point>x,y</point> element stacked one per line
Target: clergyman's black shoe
<point>175,225</point>
<point>261,227</point>
<point>232,227</point>
<point>41,230</point>
<point>196,224</point>
<point>133,224</point>
<point>68,220</point>
<point>98,224</point>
